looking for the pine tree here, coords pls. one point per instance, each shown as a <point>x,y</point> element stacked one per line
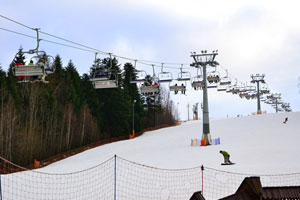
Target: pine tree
<point>19,58</point>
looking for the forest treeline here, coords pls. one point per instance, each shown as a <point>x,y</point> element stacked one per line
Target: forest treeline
<point>39,120</point>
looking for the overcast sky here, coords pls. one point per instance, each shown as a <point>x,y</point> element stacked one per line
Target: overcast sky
<point>251,36</point>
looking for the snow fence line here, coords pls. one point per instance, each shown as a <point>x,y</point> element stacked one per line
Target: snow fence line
<point>118,179</point>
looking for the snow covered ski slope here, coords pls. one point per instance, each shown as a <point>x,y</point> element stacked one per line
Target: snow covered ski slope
<point>162,164</point>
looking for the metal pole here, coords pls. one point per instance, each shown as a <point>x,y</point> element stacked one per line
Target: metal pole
<point>203,60</point>
<point>202,169</point>
<point>115,179</point>
<point>258,99</point>
<point>206,131</point>
<point>177,112</point>
<point>133,132</point>
<point>188,112</point>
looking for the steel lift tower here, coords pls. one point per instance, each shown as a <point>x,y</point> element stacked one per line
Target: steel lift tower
<point>258,79</point>
<point>202,61</point>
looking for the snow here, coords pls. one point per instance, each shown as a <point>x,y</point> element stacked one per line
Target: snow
<point>258,144</point>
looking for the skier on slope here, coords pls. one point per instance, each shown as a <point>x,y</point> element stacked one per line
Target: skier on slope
<point>226,157</point>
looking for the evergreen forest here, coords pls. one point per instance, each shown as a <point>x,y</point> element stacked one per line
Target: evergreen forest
<point>39,120</point>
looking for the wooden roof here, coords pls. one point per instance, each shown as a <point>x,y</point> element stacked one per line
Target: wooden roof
<point>287,193</point>
<point>251,189</point>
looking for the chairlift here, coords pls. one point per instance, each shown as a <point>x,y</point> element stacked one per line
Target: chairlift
<point>235,90</point>
<point>39,65</point>
<point>179,86</point>
<point>140,75</point>
<point>198,82</point>
<point>212,85</point>
<point>164,76</point>
<point>230,89</point>
<point>268,102</point>
<point>213,77</point>
<point>243,94</point>
<point>183,76</point>
<point>221,88</point>
<point>250,88</point>
<point>103,77</point>
<point>38,68</point>
<point>150,89</point>
<point>264,89</point>
<point>226,80</point>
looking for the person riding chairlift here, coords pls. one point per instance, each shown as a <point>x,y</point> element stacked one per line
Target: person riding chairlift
<point>183,91</point>
<point>30,63</point>
<point>155,84</point>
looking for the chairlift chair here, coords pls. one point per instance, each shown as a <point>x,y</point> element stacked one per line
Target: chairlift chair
<point>35,69</point>
<point>41,65</point>
<point>226,80</point>
<point>150,90</point>
<point>183,76</point>
<point>178,88</point>
<point>213,77</point>
<point>164,76</point>
<point>140,77</point>
<point>243,94</point>
<point>221,88</point>
<point>235,90</point>
<point>198,82</point>
<point>250,95</point>
<point>104,78</point>
<point>229,89</point>
<point>212,85</point>
<point>102,82</point>
<point>264,89</point>
<point>250,88</point>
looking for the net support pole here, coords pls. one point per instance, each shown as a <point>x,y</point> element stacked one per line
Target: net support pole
<point>115,178</point>
<point>202,170</point>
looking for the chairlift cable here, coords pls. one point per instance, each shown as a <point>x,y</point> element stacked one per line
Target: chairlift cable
<point>76,43</point>
<point>18,33</point>
<point>33,37</point>
<point>94,50</point>
<point>21,24</point>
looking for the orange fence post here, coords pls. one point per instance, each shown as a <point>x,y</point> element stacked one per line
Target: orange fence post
<point>36,164</point>
<point>131,136</point>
